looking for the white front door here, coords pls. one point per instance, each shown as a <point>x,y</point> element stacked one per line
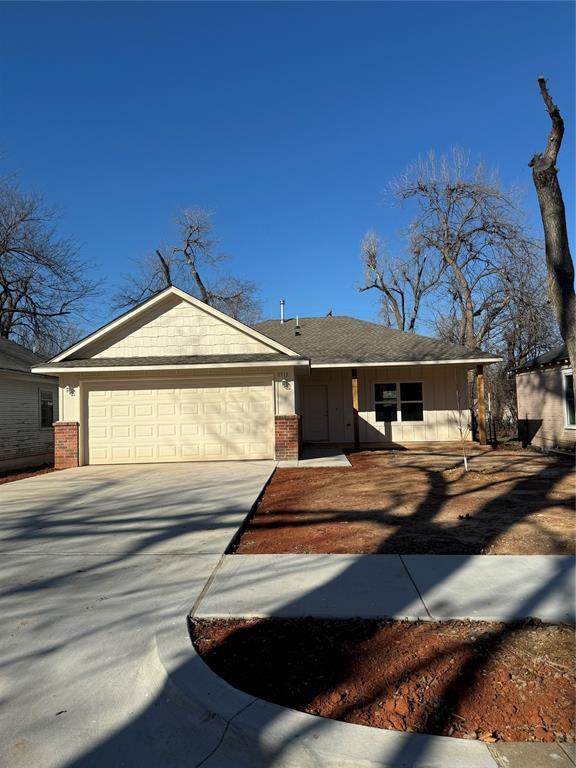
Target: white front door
<point>315,413</point>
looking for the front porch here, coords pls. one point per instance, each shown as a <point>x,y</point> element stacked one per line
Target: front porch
<point>377,406</point>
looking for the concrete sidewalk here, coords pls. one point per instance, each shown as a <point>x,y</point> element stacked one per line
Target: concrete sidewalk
<point>428,587</point>
<point>312,458</point>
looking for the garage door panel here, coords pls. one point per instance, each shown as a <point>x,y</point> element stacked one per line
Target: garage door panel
<point>120,452</point>
<point>143,430</point>
<point>184,423</point>
<point>120,431</point>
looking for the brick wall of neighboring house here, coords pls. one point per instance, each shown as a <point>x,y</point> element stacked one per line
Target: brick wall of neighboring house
<point>66,444</point>
<point>288,437</point>
<point>541,409</point>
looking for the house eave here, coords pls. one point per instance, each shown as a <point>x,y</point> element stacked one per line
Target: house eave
<point>287,363</point>
<point>467,361</point>
<point>40,378</point>
<point>542,366</point>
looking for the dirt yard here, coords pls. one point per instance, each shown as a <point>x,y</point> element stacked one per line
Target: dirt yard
<point>411,502</point>
<point>22,474</point>
<point>469,680</point>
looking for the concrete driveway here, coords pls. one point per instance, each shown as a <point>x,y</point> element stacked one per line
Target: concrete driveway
<point>92,561</point>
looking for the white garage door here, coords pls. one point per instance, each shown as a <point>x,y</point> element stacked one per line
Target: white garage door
<point>180,421</point>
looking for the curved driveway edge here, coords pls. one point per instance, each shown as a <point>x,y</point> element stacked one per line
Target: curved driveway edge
<point>257,734</point>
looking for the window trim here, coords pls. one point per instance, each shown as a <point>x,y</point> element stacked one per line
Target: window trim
<point>399,401</point>
<point>41,393</point>
<point>565,373</point>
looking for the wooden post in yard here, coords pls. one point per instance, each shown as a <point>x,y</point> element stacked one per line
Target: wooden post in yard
<point>355,407</point>
<point>481,405</point>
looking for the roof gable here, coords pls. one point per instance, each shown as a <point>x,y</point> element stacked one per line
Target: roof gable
<point>173,323</point>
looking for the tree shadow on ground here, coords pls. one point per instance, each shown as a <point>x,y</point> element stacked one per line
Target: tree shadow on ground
<point>491,505</point>
<point>165,732</point>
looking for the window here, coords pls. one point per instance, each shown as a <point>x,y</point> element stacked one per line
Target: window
<point>46,409</point>
<point>568,388</point>
<point>385,402</point>
<point>411,404</point>
<point>399,402</point>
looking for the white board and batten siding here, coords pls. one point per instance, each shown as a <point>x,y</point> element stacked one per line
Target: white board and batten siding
<point>23,443</point>
<point>440,385</point>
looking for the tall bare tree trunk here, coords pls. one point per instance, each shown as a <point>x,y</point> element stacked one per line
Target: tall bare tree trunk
<point>558,258</point>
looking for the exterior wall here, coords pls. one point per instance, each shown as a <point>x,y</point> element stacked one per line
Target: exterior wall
<point>22,442</point>
<point>179,329</point>
<point>287,437</point>
<point>541,414</point>
<point>66,445</point>
<point>284,392</point>
<point>440,384</point>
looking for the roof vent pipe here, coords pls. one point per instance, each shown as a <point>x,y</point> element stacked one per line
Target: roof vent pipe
<point>282,302</point>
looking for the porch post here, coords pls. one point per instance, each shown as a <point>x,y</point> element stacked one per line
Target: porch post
<point>356,423</point>
<point>481,405</point>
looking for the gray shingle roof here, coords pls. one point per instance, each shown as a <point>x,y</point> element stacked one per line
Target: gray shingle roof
<point>558,354</point>
<point>344,340</point>
<point>15,357</point>
<point>104,362</point>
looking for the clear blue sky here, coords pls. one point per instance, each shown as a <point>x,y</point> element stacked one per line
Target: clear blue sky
<point>284,119</point>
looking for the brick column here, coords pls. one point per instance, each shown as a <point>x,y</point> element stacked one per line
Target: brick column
<point>66,444</point>
<point>288,439</point>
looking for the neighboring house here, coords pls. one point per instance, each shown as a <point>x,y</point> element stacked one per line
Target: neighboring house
<point>176,380</point>
<point>545,394</point>
<point>28,408</point>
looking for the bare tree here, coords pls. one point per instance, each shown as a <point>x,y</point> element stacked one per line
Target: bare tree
<point>402,283</point>
<point>558,258</point>
<point>195,265</point>
<point>472,234</point>
<point>473,271</point>
<point>43,282</point>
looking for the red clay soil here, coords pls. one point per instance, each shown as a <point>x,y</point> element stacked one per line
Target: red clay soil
<point>470,680</point>
<point>412,502</point>
<point>10,477</point>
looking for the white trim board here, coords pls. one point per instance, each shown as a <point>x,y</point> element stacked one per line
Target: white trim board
<point>289,362</point>
<point>471,363</point>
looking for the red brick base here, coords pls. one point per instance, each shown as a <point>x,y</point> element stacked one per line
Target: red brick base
<point>66,444</point>
<point>288,439</point>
